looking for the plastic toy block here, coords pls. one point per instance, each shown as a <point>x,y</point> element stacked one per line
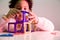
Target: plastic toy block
<point>6,35</point>
<point>24,22</point>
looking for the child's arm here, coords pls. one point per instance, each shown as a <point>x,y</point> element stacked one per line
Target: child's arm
<point>41,23</point>
<point>33,21</point>
<point>2,24</point>
<point>45,25</point>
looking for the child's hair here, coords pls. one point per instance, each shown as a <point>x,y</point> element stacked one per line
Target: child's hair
<point>13,3</point>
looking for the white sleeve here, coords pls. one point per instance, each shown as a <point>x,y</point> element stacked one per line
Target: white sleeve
<point>2,22</point>
<point>45,24</point>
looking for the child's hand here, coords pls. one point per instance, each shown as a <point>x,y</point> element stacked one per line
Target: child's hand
<point>12,13</point>
<point>33,18</point>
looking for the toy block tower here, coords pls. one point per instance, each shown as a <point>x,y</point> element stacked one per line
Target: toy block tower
<point>24,23</point>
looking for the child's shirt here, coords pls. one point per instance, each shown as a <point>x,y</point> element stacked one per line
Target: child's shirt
<point>43,23</point>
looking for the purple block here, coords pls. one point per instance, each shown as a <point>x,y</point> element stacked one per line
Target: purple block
<point>19,22</point>
<point>9,27</point>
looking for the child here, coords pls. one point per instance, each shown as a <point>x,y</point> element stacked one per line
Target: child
<point>38,23</point>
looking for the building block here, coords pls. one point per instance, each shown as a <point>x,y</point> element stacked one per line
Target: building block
<point>23,22</point>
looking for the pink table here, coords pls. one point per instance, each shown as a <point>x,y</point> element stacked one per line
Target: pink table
<point>34,36</point>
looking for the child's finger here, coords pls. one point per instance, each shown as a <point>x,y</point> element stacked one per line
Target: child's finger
<point>31,17</point>
<point>16,10</point>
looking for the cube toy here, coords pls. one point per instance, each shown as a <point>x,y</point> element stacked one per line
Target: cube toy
<point>24,22</point>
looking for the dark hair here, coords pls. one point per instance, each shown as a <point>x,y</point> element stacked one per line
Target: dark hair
<point>13,3</point>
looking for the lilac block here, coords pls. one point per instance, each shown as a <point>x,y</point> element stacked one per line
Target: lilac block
<point>19,22</point>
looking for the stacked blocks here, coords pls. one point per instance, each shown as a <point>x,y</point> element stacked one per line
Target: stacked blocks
<point>24,22</point>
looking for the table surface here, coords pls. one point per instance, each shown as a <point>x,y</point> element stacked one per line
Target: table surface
<point>34,36</point>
